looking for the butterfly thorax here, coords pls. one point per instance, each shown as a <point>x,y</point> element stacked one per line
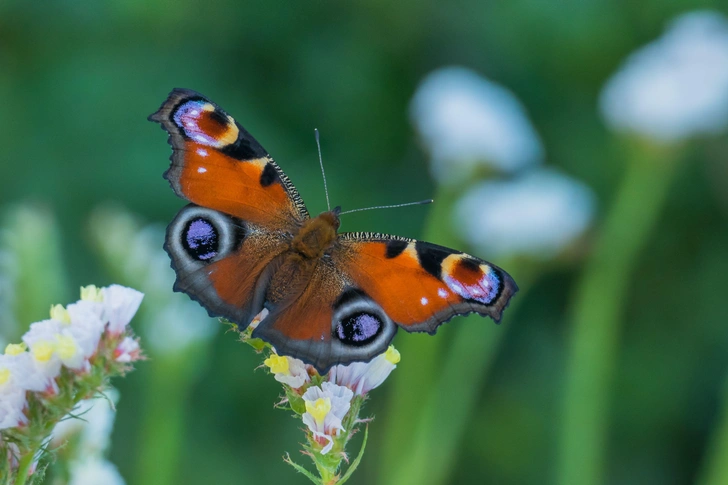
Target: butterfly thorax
<point>316,235</point>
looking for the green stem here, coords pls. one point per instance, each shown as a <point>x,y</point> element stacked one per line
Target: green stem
<point>715,467</point>
<point>599,303</point>
<point>24,466</point>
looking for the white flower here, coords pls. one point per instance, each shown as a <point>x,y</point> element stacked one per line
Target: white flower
<point>287,370</point>
<point>94,471</point>
<point>466,120</point>
<point>18,371</point>
<point>120,305</point>
<point>362,377</point>
<point>127,351</point>
<point>326,406</point>
<point>92,420</point>
<point>12,403</point>
<point>42,340</point>
<point>537,214</point>
<point>87,325</point>
<point>675,87</point>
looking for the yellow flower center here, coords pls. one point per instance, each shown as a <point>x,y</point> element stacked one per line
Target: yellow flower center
<point>42,351</point>
<point>319,408</point>
<point>91,293</point>
<point>61,314</point>
<point>15,349</point>
<point>66,347</point>
<point>392,355</point>
<point>4,376</point>
<point>278,364</point>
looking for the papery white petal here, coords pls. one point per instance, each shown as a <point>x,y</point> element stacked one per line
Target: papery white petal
<point>87,325</point>
<point>120,305</point>
<point>43,331</point>
<point>94,471</point>
<point>466,120</point>
<point>340,398</point>
<point>675,87</point>
<point>12,403</point>
<point>537,214</point>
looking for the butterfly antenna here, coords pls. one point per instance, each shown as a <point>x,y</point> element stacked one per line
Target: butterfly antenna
<point>321,162</point>
<point>421,202</point>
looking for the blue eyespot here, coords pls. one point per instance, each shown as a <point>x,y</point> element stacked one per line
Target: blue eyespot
<point>200,239</point>
<point>359,328</point>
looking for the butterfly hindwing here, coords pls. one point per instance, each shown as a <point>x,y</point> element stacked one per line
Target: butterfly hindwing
<point>328,322</point>
<point>222,261</point>
<point>217,164</point>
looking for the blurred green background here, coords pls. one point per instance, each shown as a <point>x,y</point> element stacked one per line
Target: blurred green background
<point>78,80</point>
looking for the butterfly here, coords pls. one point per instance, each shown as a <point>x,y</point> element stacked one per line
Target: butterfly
<point>246,243</point>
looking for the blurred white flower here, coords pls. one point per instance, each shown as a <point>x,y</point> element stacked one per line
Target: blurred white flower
<point>287,370</point>
<point>177,325</point>
<point>326,406</point>
<point>465,120</point>
<point>675,87</point>
<point>362,377</point>
<point>120,305</point>
<point>95,471</point>
<point>537,214</point>
<point>92,421</point>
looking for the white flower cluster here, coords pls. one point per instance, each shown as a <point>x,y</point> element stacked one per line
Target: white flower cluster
<point>327,404</point>
<point>70,339</point>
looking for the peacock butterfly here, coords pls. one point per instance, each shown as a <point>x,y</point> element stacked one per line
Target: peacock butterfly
<point>246,243</point>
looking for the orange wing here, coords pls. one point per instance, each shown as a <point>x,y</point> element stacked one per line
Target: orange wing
<point>216,163</point>
<point>422,285</point>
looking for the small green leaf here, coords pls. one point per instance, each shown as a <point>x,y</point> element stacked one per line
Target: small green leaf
<point>356,461</point>
<point>298,405</point>
<point>302,470</point>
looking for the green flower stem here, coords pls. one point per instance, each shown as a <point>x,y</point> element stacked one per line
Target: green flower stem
<point>24,466</point>
<point>598,307</point>
<point>715,467</point>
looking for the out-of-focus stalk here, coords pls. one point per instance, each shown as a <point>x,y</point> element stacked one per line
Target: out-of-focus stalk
<point>30,242</point>
<point>419,371</point>
<point>597,313</point>
<point>715,466</point>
